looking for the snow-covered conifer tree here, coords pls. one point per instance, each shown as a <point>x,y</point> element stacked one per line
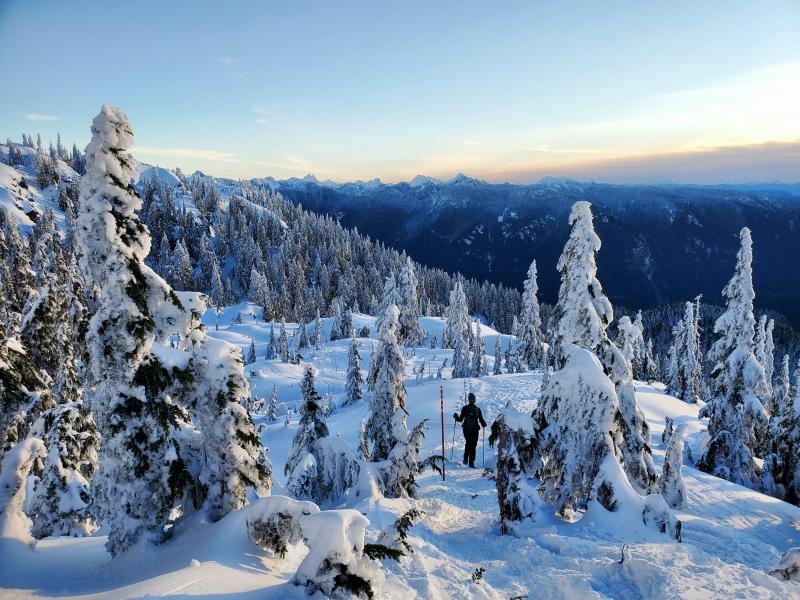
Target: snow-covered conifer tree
<point>531,342</point>
<point>387,402</point>
<point>251,353</point>
<point>272,407</point>
<point>336,313</point>
<point>670,483</point>
<point>479,355</point>
<point>139,459</point>
<point>233,459</point>
<point>576,425</point>
<point>514,497</point>
<point>457,315</point>
<point>272,345</point>
<point>410,332</point>
<point>738,383</point>
<point>354,380</point>
<point>60,504</point>
<point>498,357</point>
<point>302,471</point>
<point>318,331</point>
<point>583,312</point>
<point>284,342</point>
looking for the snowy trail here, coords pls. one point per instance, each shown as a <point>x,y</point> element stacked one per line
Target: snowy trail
<point>731,535</point>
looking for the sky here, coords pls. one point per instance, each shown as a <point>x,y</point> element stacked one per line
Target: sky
<point>627,92</point>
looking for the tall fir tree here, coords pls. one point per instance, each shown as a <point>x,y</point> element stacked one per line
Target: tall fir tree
<point>738,382</point>
<point>386,424</point>
<point>531,342</point>
<point>354,381</point>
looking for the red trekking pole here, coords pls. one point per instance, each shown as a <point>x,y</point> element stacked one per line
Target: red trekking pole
<point>441,410</point>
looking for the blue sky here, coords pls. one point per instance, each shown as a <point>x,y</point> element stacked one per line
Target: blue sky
<point>625,91</point>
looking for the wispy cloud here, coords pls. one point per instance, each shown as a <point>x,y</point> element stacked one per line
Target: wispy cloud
<point>227,60</point>
<point>40,117</point>
<point>238,74</point>
<point>295,164</point>
<point>194,153</point>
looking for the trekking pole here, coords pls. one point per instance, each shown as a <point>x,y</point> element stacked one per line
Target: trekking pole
<point>483,447</point>
<point>453,445</point>
<point>441,410</point>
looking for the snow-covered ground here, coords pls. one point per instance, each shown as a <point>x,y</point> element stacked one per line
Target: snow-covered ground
<point>731,535</point>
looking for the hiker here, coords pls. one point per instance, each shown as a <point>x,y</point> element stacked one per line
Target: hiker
<point>473,421</point>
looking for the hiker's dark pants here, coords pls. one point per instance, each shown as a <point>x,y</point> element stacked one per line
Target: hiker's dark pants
<point>469,448</point>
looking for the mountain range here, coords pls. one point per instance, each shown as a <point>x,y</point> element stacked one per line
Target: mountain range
<point>661,243</point>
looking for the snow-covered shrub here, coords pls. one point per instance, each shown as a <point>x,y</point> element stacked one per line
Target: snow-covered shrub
<point>614,493</point>
<point>337,469</point>
<point>336,564</point>
<point>788,568</point>
<point>670,484</point>
<point>233,457</point>
<point>399,471</point>
<point>396,535</point>
<point>61,499</point>
<point>16,466</point>
<point>273,523</point>
<point>576,428</point>
<point>516,499</point>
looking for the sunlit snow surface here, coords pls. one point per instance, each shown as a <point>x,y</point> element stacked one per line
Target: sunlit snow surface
<point>731,535</point>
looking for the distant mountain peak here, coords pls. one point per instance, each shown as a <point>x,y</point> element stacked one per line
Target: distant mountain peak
<point>462,179</point>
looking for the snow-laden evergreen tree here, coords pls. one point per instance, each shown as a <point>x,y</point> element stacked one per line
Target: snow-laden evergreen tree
<point>336,313</point>
<point>462,366</point>
<point>141,407</point>
<point>346,328</point>
<point>630,341</point>
<point>789,449</point>
<point>457,319</point>
<point>516,499</point>
<point>301,466</point>
<point>686,381</point>
<point>61,499</point>
<point>581,317</point>
<point>410,332</point>
<point>272,407</point>
<point>576,426</point>
<point>498,356</point>
<point>400,469</point>
<point>233,459</point>
<point>639,357</point>
<point>670,482</point>
<point>390,296</point>
<point>479,355</point>
<point>782,390</point>
<point>738,383</point>
<point>140,466</point>
<point>386,423</point>
<point>582,312</point>
<point>769,354</point>
<point>283,343</point>
<point>354,380</point>
<point>272,345</point>
<point>251,353</point>
<point>318,331</point>
<point>651,372</point>
<point>531,339</point>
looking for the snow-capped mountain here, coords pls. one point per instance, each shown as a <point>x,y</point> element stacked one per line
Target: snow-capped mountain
<point>660,243</point>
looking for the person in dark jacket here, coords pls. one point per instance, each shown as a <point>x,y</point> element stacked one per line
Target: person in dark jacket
<point>472,418</point>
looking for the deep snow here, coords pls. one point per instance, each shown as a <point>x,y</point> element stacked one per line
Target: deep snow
<point>731,535</point>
